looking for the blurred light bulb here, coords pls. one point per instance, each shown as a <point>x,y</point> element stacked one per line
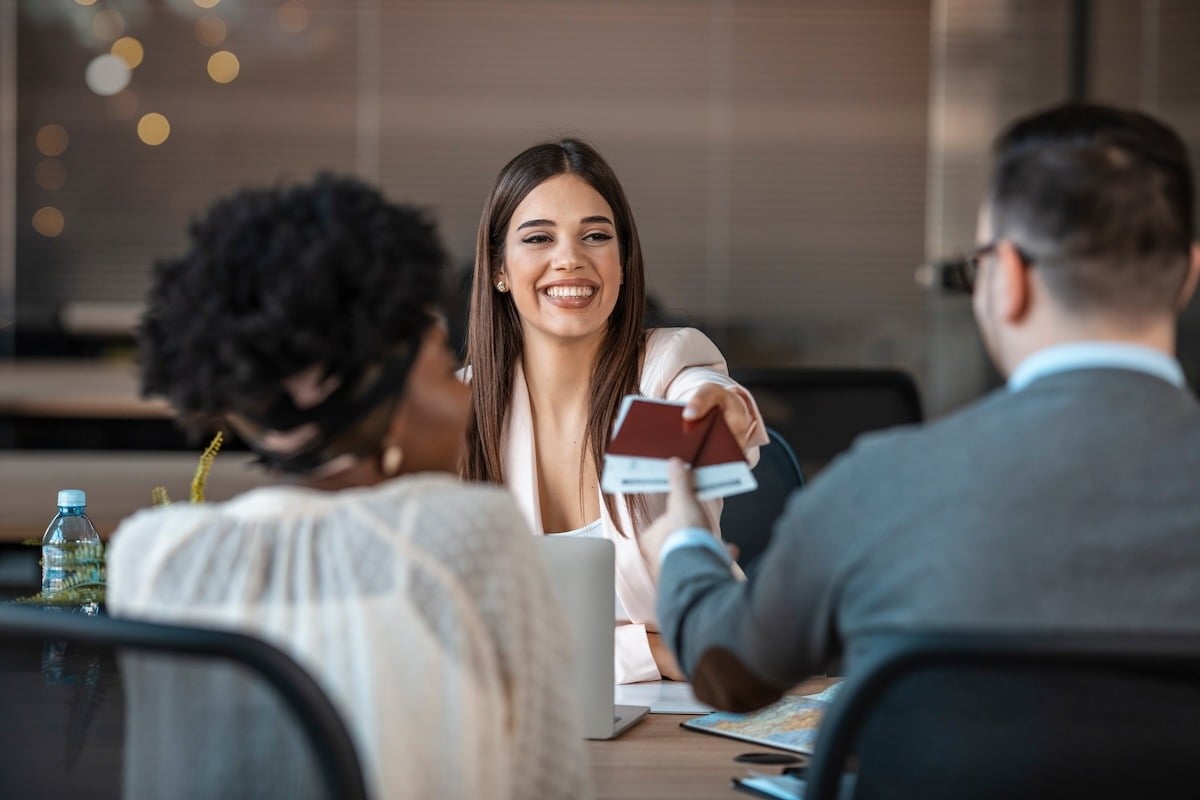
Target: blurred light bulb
<point>223,66</point>
<point>48,221</point>
<point>206,3</point>
<point>108,25</point>
<point>292,16</point>
<point>129,50</point>
<point>211,30</point>
<point>107,74</point>
<point>52,140</point>
<point>153,129</point>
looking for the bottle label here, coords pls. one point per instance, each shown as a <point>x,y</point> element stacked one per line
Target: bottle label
<point>54,568</point>
<point>71,565</point>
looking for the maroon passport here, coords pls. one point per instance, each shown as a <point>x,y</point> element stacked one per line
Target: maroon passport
<point>649,432</point>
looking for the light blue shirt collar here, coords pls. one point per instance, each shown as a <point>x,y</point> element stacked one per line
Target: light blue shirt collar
<point>1096,355</point>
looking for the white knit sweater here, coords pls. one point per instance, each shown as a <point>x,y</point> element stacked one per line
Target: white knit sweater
<point>420,606</point>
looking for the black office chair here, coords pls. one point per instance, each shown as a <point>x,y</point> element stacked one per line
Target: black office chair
<point>990,716</point>
<point>107,708</point>
<point>20,570</point>
<point>747,519</point>
<point>821,411</point>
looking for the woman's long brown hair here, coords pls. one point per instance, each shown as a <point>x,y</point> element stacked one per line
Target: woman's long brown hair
<point>494,340</point>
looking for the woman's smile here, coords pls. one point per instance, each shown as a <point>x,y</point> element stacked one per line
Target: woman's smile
<point>569,294</point>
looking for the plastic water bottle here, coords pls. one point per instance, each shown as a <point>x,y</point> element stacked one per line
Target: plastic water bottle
<point>67,541</point>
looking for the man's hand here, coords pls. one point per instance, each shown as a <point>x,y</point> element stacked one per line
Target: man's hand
<point>732,406</point>
<point>683,511</point>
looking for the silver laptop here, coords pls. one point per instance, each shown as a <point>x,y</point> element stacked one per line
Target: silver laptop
<point>583,572</point>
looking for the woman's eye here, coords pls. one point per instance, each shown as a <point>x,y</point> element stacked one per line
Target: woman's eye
<point>536,238</point>
<point>598,236</point>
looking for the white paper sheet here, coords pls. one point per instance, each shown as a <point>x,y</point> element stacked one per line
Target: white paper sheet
<point>663,697</point>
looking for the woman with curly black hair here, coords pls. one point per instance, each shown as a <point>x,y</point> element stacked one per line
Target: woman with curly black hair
<point>305,320</point>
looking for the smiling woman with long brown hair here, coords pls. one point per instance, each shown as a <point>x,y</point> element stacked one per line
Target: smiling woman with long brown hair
<point>555,340</point>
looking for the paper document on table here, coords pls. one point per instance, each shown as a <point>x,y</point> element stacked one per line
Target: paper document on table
<point>663,697</point>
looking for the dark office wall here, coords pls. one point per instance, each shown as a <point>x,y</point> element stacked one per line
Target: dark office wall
<point>774,151</point>
<point>790,162</point>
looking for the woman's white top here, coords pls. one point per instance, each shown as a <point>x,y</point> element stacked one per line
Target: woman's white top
<point>677,363</point>
<point>419,605</point>
<point>593,530</point>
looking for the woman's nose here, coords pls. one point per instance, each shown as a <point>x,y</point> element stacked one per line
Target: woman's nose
<point>567,257</point>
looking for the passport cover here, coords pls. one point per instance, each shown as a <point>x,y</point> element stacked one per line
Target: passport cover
<point>649,432</point>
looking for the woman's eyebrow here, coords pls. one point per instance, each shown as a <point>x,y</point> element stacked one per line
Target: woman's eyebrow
<point>549,223</point>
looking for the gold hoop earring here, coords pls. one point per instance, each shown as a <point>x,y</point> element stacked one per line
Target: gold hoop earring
<point>391,459</point>
<point>501,287</point>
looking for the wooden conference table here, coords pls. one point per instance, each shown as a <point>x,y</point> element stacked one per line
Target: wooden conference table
<point>658,759</point>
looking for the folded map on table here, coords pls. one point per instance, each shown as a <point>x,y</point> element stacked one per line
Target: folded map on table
<point>789,724</point>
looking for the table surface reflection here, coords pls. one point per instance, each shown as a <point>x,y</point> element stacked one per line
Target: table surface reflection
<point>658,759</point>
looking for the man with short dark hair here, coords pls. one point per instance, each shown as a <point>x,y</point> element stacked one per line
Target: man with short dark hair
<point>1065,501</point>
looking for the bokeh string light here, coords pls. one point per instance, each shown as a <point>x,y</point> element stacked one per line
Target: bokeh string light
<point>107,74</point>
<point>52,140</point>
<point>292,16</point>
<point>211,30</point>
<point>110,73</point>
<point>108,25</point>
<point>129,50</point>
<point>223,66</point>
<point>48,221</point>
<point>153,129</point>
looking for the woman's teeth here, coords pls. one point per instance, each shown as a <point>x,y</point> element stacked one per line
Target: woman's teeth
<point>571,291</point>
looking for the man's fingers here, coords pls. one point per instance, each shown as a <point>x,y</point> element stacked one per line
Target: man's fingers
<point>679,477</point>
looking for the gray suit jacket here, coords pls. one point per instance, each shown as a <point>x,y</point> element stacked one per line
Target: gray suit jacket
<point>1071,504</point>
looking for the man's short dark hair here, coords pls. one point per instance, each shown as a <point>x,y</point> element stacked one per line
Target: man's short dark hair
<point>1101,200</point>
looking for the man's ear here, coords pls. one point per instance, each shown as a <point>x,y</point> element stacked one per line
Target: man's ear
<point>1013,283</point>
<point>1189,280</point>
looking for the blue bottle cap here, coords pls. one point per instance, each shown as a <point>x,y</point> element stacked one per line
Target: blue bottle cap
<point>72,498</point>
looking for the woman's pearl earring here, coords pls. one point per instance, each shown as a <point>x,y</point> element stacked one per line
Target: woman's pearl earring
<point>501,287</point>
<point>389,462</point>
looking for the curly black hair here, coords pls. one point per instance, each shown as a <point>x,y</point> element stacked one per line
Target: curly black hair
<point>278,280</point>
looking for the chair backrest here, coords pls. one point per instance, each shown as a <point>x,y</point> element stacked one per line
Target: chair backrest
<point>983,716</point>
<point>98,707</point>
<point>821,411</point>
<point>20,570</point>
<point>747,519</point>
